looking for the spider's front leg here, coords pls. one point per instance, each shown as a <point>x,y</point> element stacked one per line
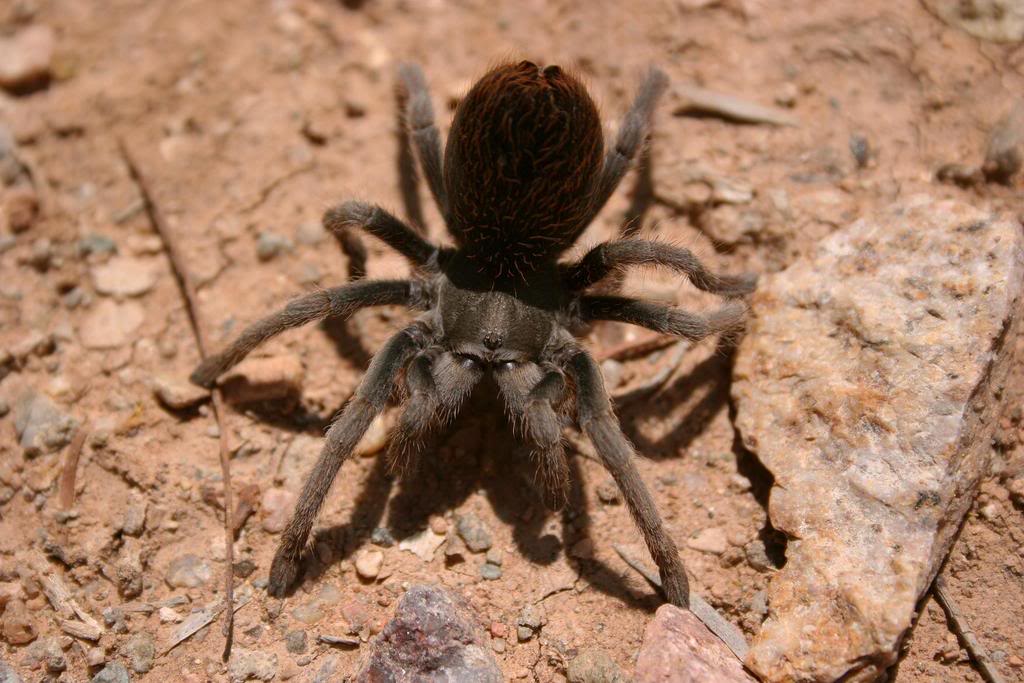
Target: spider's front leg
<point>368,401</point>
<point>532,394</point>
<point>438,383</point>
<point>598,421</point>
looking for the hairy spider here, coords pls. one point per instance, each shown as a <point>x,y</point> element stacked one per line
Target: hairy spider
<point>523,174</point>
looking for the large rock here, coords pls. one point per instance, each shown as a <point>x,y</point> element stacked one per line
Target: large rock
<point>433,637</point>
<point>678,648</point>
<point>868,385</point>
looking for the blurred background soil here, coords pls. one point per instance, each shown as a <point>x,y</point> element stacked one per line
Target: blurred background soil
<point>250,118</point>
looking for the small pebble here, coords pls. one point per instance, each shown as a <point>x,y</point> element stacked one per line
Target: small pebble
<point>593,665</point>
<point>188,571</point>
<point>369,563</point>
<point>21,205</point>
<point>178,395</point>
<point>26,57</point>
<point>608,492</point>
<point>276,507</point>
<point>124,276</point>
<point>96,244</point>
<point>269,245</point>
<point>490,572</point>
<point>381,536</point>
<point>252,664</point>
<point>111,324</point>
<point>140,651</point>
<point>296,642</point>
<point>494,556</point>
<point>474,533</point>
<point>114,672</point>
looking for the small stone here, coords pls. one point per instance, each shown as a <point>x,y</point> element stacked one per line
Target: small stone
<point>992,512</point>
<point>494,556</point>
<point>583,549</point>
<point>21,207</point>
<point>40,426</point>
<point>16,624</point>
<point>134,521</point>
<point>498,645</point>
<point>474,532</point>
<point>244,568</point>
<point>369,563</point>
<point>188,571</point>
<point>41,255</point>
<point>25,58</point>
<point>433,636</point>
<point>757,555</point>
<point>309,613</point>
<point>677,647</point>
<point>423,545</point>
<point>296,642</point>
<point>124,276</point>
<point>860,149</point>
<point>113,672</point>
<point>276,506</point>
<point>490,572</point>
<point>111,324</point>
<point>264,379</point>
<point>310,233</point>
<point>608,492</point>
<point>140,652</point>
<point>46,652</point>
<point>593,665</point>
<point>252,664</point>
<point>712,540</point>
<point>168,615</point>
<point>375,438</point>
<point>786,95</point>
<point>531,619</point>
<point>270,245</point>
<point>96,244</point>
<point>382,536</point>
<point>178,395</point>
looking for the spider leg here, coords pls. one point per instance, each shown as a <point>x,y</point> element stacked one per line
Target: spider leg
<point>334,302</point>
<point>438,384</point>
<point>425,136</point>
<point>339,220</point>
<point>532,394</point>
<point>665,319</point>
<point>609,257</point>
<point>405,162</point>
<point>342,437</point>
<point>598,422</point>
<point>632,134</point>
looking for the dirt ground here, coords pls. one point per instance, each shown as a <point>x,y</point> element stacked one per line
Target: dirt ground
<point>250,118</point>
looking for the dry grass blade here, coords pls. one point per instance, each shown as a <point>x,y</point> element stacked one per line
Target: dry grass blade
<point>708,615</point>
<point>704,101</point>
<point>963,629</point>
<point>188,291</point>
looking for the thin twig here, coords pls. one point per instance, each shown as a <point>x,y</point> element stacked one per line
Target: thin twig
<point>704,101</point>
<point>70,473</point>
<point>963,629</point>
<point>656,381</point>
<point>636,349</point>
<point>267,189</point>
<point>708,615</point>
<point>188,291</point>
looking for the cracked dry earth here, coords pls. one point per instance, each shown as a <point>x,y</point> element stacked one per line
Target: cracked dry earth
<point>249,119</point>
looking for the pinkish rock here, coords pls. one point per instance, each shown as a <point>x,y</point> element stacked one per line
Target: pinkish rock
<point>264,379</point>
<point>869,384</point>
<point>276,508</point>
<point>110,324</point>
<point>677,648</point>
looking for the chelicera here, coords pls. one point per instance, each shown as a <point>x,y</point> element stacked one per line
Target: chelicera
<point>524,172</point>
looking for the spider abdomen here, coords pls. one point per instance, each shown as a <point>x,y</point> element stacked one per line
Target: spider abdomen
<point>521,163</point>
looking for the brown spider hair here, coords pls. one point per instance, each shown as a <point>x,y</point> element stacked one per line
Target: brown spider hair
<point>523,155</point>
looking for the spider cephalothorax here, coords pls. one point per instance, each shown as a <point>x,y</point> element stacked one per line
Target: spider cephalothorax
<point>523,175</point>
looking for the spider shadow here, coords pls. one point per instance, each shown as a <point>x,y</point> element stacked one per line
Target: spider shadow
<point>714,375</point>
<point>477,452</point>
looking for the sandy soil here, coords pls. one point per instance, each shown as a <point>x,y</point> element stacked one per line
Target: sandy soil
<point>252,117</point>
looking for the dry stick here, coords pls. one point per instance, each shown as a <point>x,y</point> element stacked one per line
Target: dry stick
<point>963,629</point>
<point>188,291</point>
<point>70,472</point>
<point>708,615</point>
<point>636,349</point>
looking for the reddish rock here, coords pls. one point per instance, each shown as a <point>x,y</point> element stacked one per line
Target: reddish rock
<point>433,637</point>
<point>678,648</point>
<point>264,379</point>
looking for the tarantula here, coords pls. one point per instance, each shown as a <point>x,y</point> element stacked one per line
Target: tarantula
<point>523,174</point>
